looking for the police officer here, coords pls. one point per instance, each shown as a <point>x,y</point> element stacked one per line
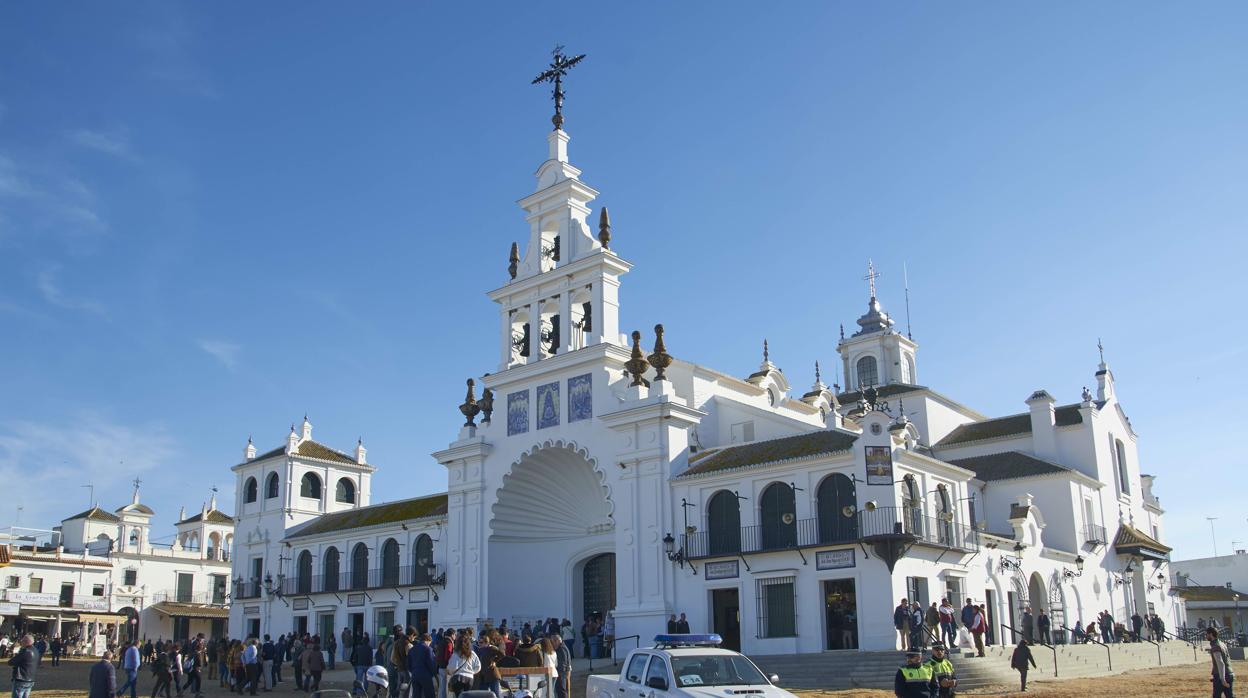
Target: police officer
<point>942,672</point>
<point>914,679</point>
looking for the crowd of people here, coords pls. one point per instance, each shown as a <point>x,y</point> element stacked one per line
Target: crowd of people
<point>55,647</point>
<point>1148,627</point>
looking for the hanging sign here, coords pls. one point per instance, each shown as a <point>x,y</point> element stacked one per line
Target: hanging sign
<point>879,465</point>
<point>834,559</point>
<point>727,569</point>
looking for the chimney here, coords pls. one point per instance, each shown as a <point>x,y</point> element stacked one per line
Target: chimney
<point>360,452</point>
<point>1043,425</point>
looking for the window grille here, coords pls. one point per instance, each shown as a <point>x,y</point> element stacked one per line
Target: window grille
<point>777,607</point>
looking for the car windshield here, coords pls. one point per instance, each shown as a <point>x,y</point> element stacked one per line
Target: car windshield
<point>716,670</point>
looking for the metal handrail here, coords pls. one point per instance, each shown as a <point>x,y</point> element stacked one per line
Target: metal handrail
<point>1034,642</point>
<point>615,659</point>
<point>1109,656</point>
<point>1141,638</point>
<point>1195,655</point>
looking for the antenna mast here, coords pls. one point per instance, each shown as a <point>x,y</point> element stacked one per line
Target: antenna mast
<point>905,275</point>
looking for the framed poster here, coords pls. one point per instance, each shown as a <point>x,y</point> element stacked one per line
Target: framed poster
<point>879,465</point>
<point>299,604</point>
<point>728,569</point>
<point>355,599</point>
<point>418,595</point>
<point>834,559</point>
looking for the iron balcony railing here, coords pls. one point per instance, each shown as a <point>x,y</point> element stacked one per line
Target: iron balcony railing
<point>208,598</point>
<point>361,580</point>
<point>1094,535</point>
<point>837,530</point>
<point>247,590</point>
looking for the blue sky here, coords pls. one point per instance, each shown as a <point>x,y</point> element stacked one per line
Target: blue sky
<point>217,217</point>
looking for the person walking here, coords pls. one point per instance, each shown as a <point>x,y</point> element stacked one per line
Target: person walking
<point>162,672</point>
<point>948,626</point>
<point>942,672</point>
<point>361,659</point>
<point>57,647</point>
<point>397,660</point>
<point>194,664</point>
<point>296,660</point>
<point>1020,659</point>
<point>24,663</point>
<point>423,668</point>
<point>314,665</point>
<point>932,622</point>
<point>1044,625</point>
<point>1137,625</point>
<point>347,645</point>
<point>176,667</point>
<point>567,635</point>
<point>563,663</point>
<point>901,616</point>
<point>914,679</point>
<point>1223,678</point>
<point>103,679</point>
<point>462,667</point>
<point>917,639</point>
<point>550,661</point>
<point>331,650</point>
<point>130,665</point>
<point>444,650</point>
<point>251,665</point>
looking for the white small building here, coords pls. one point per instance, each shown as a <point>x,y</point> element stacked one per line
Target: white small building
<point>100,575</point>
<point>615,482</point>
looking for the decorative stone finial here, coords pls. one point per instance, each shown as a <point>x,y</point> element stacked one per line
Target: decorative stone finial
<point>470,409</point>
<point>514,260</point>
<point>660,359</point>
<point>818,378</point>
<point>604,229</point>
<point>361,453</point>
<point>636,364</point>
<point>766,353</point>
<point>487,405</point>
<point>842,332</point>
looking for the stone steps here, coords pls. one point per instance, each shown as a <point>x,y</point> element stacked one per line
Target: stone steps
<point>832,670</point>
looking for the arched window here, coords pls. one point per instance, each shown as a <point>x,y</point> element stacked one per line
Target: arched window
<point>1124,482</point>
<point>134,536</point>
<point>270,486</point>
<point>345,491</point>
<point>838,509</point>
<point>310,486</point>
<point>303,573</point>
<point>868,372</point>
<point>422,557</point>
<point>390,563</point>
<point>251,490</point>
<point>911,376</point>
<point>723,524</point>
<point>911,506</point>
<point>359,566</point>
<point>779,517</point>
<point>330,571</point>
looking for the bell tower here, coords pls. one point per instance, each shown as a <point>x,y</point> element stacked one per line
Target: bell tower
<point>877,354</point>
<point>563,294</point>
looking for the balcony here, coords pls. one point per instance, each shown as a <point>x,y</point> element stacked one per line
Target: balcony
<point>1094,535</point>
<point>380,578</point>
<point>203,598</point>
<point>865,526</point>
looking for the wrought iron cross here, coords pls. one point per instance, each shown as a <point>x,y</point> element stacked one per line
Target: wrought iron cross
<point>559,67</point>
<point>871,276</point>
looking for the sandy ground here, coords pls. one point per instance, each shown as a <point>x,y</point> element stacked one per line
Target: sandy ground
<point>70,681</point>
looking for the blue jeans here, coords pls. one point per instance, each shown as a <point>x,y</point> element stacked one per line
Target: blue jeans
<point>21,689</point>
<point>132,682</point>
<point>359,676</point>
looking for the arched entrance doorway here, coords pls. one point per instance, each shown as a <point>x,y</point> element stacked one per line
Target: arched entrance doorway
<point>130,627</point>
<point>552,542</point>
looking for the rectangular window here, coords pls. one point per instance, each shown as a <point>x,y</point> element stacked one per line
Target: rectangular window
<point>12,581</point>
<point>36,585</point>
<point>777,608</point>
<point>742,432</point>
<point>185,590</point>
<point>97,590</point>
<point>953,592</point>
<point>131,578</point>
<point>636,668</point>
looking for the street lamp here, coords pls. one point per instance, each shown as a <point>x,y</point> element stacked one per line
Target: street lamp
<point>1078,567</point>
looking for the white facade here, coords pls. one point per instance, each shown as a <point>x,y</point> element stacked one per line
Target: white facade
<point>796,521</point>
<point>100,574</point>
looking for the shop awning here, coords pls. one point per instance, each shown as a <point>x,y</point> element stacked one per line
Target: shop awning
<point>190,610</point>
<point>114,618</point>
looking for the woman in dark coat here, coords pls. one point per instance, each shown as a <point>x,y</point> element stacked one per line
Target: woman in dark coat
<point>1022,656</point>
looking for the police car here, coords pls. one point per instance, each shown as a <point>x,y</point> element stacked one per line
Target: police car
<point>685,666</point>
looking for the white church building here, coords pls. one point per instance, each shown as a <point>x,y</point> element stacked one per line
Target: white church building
<point>787,520</point>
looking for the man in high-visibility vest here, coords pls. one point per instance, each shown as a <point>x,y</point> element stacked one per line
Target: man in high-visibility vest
<point>942,672</point>
<point>914,679</point>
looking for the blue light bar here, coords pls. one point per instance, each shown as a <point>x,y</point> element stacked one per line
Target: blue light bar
<point>688,640</point>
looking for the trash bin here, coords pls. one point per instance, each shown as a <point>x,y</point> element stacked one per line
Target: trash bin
<point>595,647</point>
